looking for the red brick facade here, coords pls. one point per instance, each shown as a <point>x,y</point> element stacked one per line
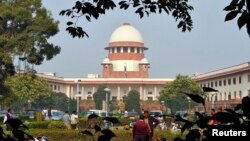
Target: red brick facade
<point>126,43</point>
<point>125,56</point>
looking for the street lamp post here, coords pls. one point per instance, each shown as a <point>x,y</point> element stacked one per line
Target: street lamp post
<point>78,95</point>
<point>106,90</point>
<point>189,105</point>
<point>212,102</point>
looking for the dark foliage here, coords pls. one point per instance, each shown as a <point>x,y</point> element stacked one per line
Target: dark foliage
<point>111,119</point>
<point>237,119</point>
<point>107,134</point>
<point>239,8</point>
<point>92,116</point>
<point>97,128</point>
<point>196,98</point>
<point>87,132</point>
<point>93,9</point>
<point>17,129</point>
<point>208,89</point>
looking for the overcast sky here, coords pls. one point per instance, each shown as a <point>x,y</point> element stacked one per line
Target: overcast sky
<point>211,45</point>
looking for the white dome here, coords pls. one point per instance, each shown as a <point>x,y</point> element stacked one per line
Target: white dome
<point>144,60</point>
<point>105,61</point>
<point>126,32</point>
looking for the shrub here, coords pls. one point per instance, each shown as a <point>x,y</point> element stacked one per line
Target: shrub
<point>56,125</point>
<point>82,123</point>
<point>23,117</point>
<point>36,124</point>
<point>1,118</point>
<point>125,121</point>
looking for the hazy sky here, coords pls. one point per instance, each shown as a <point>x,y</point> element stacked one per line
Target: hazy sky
<point>212,44</point>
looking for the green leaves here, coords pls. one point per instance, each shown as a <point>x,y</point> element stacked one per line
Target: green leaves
<point>28,86</point>
<point>173,92</point>
<point>133,101</point>
<point>27,35</point>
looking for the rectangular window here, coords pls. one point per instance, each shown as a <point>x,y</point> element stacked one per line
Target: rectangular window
<point>229,96</point>
<point>138,50</point>
<point>118,50</point>
<point>212,84</point>
<point>89,98</point>
<point>215,83</point>
<point>248,78</point>
<point>225,82</point>
<point>132,50</point>
<point>220,83</point>
<point>125,49</point>
<point>89,92</point>
<point>234,80</point>
<point>229,81</point>
<point>150,98</point>
<point>149,93</point>
<point>54,87</point>
<point>240,80</point>
<point>114,98</point>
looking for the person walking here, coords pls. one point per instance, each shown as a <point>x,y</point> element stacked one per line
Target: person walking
<point>7,116</point>
<point>141,131</point>
<point>66,120</point>
<point>151,122</point>
<point>50,113</point>
<point>213,121</point>
<point>73,120</point>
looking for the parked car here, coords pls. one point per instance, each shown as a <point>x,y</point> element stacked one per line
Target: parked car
<point>97,112</point>
<point>133,115</point>
<point>182,114</point>
<point>156,113</point>
<point>31,113</point>
<point>56,114</point>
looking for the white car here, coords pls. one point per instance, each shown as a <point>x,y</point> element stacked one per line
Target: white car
<point>56,114</point>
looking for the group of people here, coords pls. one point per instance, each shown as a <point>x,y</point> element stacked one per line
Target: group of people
<point>143,129</point>
<point>70,121</point>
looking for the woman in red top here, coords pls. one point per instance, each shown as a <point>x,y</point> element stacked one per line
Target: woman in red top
<point>141,130</point>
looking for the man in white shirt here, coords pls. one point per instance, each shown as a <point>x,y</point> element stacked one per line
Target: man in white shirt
<point>73,120</point>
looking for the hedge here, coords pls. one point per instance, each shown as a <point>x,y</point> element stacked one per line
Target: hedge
<point>75,135</point>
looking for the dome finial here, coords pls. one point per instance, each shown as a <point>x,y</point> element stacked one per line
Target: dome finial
<point>126,23</point>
